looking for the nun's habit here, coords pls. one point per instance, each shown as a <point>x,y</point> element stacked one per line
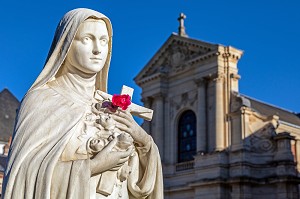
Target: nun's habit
<point>48,118</point>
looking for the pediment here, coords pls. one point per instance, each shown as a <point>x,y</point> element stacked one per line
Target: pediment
<point>175,55</point>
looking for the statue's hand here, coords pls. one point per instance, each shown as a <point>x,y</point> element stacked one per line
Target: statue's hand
<point>126,123</point>
<point>107,159</point>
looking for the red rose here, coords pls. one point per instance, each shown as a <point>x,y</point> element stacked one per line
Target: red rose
<point>122,101</point>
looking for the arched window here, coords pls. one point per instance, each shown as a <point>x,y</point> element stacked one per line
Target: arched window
<point>187,136</point>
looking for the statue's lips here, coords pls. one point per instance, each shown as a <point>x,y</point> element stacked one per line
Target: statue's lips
<point>96,58</point>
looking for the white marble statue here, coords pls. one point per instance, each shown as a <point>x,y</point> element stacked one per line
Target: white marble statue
<point>63,148</point>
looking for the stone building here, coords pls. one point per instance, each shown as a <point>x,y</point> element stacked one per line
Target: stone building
<point>8,107</point>
<point>214,141</point>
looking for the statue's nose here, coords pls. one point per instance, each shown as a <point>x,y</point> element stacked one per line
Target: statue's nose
<point>97,48</point>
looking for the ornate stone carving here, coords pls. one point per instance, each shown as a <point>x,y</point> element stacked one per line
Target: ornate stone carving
<point>175,103</point>
<point>262,140</point>
<point>175,58</point>
<point>231,54</point>
<point>200,82</point>
<point>186,99</point>
<point>219,78</point>
<point>178,55</point>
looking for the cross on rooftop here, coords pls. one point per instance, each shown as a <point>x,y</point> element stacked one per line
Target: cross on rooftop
<point>181,29</point>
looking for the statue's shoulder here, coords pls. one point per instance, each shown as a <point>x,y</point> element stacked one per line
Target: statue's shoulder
<point>39,94</point>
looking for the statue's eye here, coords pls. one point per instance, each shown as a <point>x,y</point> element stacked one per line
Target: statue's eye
<point>86,39</point>
<point>103,41</point>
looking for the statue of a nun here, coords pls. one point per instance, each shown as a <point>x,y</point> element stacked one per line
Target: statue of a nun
<point>54,151</point>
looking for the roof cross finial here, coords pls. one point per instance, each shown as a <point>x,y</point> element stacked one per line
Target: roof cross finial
<point>181,29</point>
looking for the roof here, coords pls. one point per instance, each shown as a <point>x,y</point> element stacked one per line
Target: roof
<point>8,107</point>
<point>268,109</point>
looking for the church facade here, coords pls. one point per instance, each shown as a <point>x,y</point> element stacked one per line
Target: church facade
<point>216,143</point>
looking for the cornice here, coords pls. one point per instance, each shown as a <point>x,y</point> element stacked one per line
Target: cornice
<point>150,78</point>
<point>235,76</point>
<point>230,53</point>
<point>204,57</point>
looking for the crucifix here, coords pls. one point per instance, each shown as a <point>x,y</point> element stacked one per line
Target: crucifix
<point>136,110</point>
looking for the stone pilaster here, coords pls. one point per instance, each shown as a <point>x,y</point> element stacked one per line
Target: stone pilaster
<point>240,128</point>
<point>158,130</point>
<point>146,124</point>
<point>219,112</point>
<point>297,151</point>
<point>201,116</point>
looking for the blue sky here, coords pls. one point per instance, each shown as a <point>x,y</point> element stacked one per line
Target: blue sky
<point>267,31</point>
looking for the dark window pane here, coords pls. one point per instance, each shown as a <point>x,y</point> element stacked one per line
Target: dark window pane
<point>186,136</point>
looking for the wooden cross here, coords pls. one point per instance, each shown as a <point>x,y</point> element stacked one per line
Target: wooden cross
<point>135,109</point>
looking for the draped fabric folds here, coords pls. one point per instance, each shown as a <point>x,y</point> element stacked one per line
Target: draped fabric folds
<point>46,122</point>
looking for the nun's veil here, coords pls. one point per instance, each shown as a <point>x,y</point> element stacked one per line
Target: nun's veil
<point>64,35</point>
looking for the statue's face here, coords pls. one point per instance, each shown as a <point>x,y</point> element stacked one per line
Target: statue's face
<point>89,48</point>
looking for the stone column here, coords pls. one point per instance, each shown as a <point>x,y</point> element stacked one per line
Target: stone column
<point>168,136</point>
<point>158,130</point>
<point>146,124</point>
<point>219,113</point>
<point>201,116</point>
